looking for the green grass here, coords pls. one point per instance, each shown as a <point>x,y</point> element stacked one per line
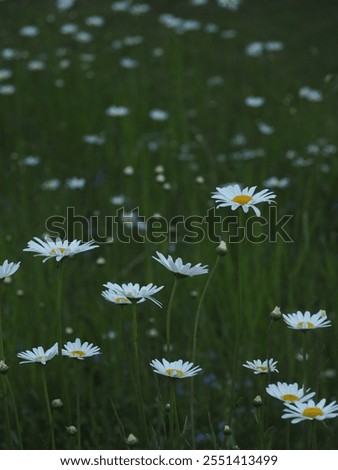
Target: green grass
<point>43,119</point>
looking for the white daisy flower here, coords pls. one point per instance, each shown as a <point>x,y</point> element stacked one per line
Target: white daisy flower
<point>289,392</point>
<point>178,268</point>
<point>254,101</point>
<point>176,369</point>
<point>111,296</point>
<point>134,292</point>
<point>57,249</point>
<point>75,183</point>
<point>29,31</point>
<point>306,321</point>
<point>299,411</point>
<point>274,182</point>
<point>117,111</point>
<point>234,197</point>
<point>64,4</point>
<point>229,4</point>
<point>38,355</point>
<point>158,115</point>
<point>259,367</point>
<point>50,185</point>
<point>7,89</point>
<point>8,269</point>
<point>80,351</point>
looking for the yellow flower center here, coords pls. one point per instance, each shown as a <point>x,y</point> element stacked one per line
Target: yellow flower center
<point>78,353</point>
<point>289,397</point>
<point>312,412</point>
<point>121,299</point>
<point>56,251</point>
<point>242,199</point>
<point>174,373</point>
<point>305,324</point>
<point>262,369</point>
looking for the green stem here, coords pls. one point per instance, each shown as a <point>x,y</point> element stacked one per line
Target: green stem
<point>15,409</point>
<point>7,420</point>
<point>313,435</point>
<point>78,408</point>
<point>4,383</point>
<point>49,411</point>
<point>260,426</point>
<point>287,435</point>
<point>304,360</point>
<point>199,308</point>
<point>239,316</point>
<point>2,353</point>
<point>60,340</point>
<point>141,407</point>
<point>174,427</point>
<point>169,310</point>
<point>193,353</point>
<point>268,347</point>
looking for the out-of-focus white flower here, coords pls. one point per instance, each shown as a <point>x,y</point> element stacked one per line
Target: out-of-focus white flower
<point>64,4</point>
<point>254,101</point>
<point>117,111</point>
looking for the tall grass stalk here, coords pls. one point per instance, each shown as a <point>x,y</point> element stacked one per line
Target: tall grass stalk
<point>48,407</point>
<point>194,349</point>
<point>137,377</point>
<point>60,339</point>
<point>4,382</point>
<point>168,319</point>
<point>174,428</point>
<point>15,411</point>
<point>78,407</point>
<point>239,320</point>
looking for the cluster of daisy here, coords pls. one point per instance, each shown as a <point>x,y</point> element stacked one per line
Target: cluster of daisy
<point>298,402</point>
<point>134,293</point>
<point>75,350</point>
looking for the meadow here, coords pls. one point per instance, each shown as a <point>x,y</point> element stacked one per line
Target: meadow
<point>149,107</point>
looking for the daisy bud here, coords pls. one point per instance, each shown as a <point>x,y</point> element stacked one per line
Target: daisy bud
<point>128,170</point>
<point>71,430</point>
<point>3,368</point>
<point>57,403</point>
<point>131,440</point>
<point>159,169</point>
<point>7,280</point>
<point>199,179</point>
<point>222,249</point>
<point>160,178</point>
<point>167,187</point>
<point>167,407</point>
<point>236,448</point>
<point>100,261</point>
<point>276,314</point>
<point>227,431</point>
<point>257,401</point>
